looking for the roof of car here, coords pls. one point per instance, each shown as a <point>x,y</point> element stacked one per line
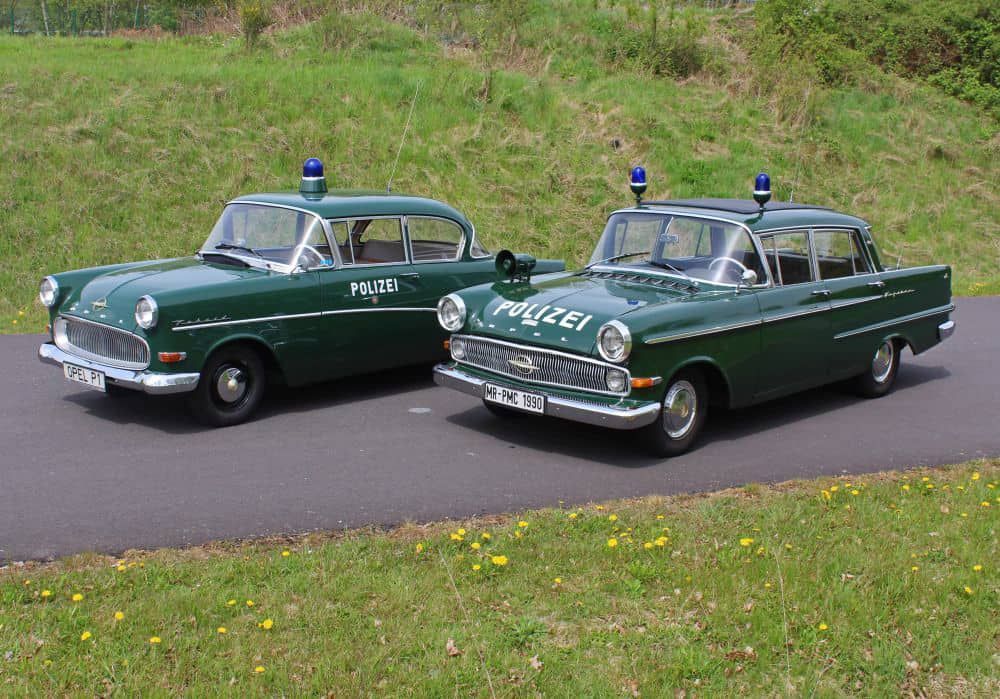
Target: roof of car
<point>776,214</point>
<point>351,203</point>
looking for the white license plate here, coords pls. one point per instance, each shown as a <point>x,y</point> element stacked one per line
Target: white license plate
<point>512,398</point>
<point>88,377</point>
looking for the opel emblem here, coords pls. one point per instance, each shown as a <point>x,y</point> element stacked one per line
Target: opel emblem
<point>523,364</point>
<point>100,304</point>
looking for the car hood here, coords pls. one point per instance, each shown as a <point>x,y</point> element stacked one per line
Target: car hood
<point>566,312</point>
<point>111,297</point>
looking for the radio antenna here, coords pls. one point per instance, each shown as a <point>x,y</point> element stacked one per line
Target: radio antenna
<point>388,186</point>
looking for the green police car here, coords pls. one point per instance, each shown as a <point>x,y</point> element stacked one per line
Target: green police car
<point>692,303</point>
<point>299,287</point>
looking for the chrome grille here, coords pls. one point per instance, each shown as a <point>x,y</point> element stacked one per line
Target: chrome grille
<point>539,366</point>
<point>101,343</point>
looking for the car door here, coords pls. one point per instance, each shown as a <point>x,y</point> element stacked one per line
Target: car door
<point>373,304</point>
<point>857,298</point>
<point>795,315</point>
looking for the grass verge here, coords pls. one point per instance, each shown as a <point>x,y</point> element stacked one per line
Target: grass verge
<point>879,584</point>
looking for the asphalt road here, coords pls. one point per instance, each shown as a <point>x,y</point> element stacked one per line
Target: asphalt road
<point>81,471</point>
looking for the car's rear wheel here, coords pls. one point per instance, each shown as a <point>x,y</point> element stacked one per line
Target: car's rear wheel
<point>685,407</point>
<point>881,374</point>
<point>230,388</point>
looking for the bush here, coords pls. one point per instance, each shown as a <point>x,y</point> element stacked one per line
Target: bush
<point>255,17</point>
<point>675,48</point>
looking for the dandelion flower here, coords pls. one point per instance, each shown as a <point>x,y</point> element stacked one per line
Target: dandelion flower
<point>788,547</point>
<point>746,541</point>
<point>476,566</point>
<point>522,524</point>
<point>612,518</point>
<point>915,568</point>
<point>486,536</point>
<point>822,627</point>
<point>154,640</point>
<point>119,616</point>
<point>572,515</point>
<point>984,503</point>
<point>85,635</point>
<point>834,488</point>
<point>855,492</point>
<point>767,585</point>
<point>455,536</point>
<point>461,532</point>
<point>46,593</point>
<point>975,476</point>
<point>475,545</point>
<point>599,508</point>
<point>925,479</point>
<point>968,590</point>
<point>612,543</point>
<point>661,541</point>
<point>77,597</point>
<point>659,516</point>
<point>286,553</point>
<point>259,669</point>
<point>121,568</point>
<point>518,535</point>
<point>498,560</point>
<point>267,624</point>
<point>906,486</point>
<point>231,603</point>
<point>965,514</point>
<point>222,629</point>
<point>977,567</point>
<point>826,495</point>
<point>557,581</point>
<point>648,545</point>
<point>249,602</point>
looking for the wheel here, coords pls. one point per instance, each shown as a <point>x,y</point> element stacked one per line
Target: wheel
<point>502,411</point>
<point>230,388</point>
<point>881,374</point>
<point>685,407</point>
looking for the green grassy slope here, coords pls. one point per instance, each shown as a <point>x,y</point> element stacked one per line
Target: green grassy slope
<point>118,150</point>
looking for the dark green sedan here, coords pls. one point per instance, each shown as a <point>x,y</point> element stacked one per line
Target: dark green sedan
<point>299,287</point>
<point>694,303</point>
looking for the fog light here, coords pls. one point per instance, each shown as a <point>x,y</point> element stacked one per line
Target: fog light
<point>457,349</point>
<point>616,379</point>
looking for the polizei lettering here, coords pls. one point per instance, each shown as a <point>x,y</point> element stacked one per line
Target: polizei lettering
<point>534,313</point>
<point>374,287</point>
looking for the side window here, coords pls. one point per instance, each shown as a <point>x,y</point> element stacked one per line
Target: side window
<point>434,239</point>
<point>838,254</point>
<point>374,241</point>
<point>476,249</point>
<point>788,257</point>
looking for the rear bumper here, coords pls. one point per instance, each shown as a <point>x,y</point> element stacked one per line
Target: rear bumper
<point>946,330</point>
<point>145,381</point>
<point>557,406</point>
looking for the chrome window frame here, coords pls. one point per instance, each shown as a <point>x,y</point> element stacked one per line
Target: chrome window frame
<point>867,253</point>
<point>858,243</point>
<point>472,241</point>
<point>771,232</point>
<point>354,265</point>
<point>459,251</point>
<point>680,212</point>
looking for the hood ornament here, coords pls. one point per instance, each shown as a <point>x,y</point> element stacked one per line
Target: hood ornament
<point>99,304</point>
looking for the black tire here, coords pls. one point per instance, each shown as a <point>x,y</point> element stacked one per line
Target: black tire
<point>230,388</point>
<point>503,411</point>
<point>881,374</point>
<point>674,431</point>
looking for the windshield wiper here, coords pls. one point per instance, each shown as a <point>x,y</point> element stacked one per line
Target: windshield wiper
<point>617,257</point>
<point>663,264</point>
<point>230,246</point>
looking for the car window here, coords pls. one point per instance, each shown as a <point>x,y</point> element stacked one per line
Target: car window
<point>434,239</point>
<point>374,241</point>
<point>315,250</point>
<point>838,254</point>
<point>477,249</point>
<point>787,255</point>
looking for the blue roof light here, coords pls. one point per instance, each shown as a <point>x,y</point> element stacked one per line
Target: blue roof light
<point>637,182</point>
<point>313,167</point>
<point>762,189</point>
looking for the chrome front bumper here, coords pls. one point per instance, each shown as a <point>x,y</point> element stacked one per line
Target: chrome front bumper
<point>566,408</point>
<point>145,381</point>
<point>946,330</point>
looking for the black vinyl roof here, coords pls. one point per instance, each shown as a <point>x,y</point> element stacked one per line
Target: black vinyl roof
<point>735,206</point>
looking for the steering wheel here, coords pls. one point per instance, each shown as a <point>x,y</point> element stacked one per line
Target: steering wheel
<point>312,251</point>
<point>723,258</point>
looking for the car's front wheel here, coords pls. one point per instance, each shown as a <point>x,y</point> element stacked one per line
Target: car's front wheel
<point>230,388</point>
<point>881,374</point>
<point>685,407</point>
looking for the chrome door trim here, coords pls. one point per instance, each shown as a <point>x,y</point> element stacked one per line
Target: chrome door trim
<point>899,320</point>
<point>295,316</point>
<point>704,331</point>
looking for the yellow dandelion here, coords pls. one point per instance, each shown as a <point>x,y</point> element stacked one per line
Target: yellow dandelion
<point>222,629</point>
<point>906,486</point>
<point>746,541</point>
<point>612,543</point>
<point>855,492</point>
<point>612,518</point>
<point>914,568</point>
<point>46,593</point>
<point>648,545</point>
<point>486,536</point>
<point>929,486</point>
<point>476,566</point>
<point>573,515</point>
<point>20,314</point>
<point>968,590</point>
<point>121,568</point>
<point>77,597</point>
<point>119,616</point>
<point>85,635</point>
<point>834,488</point>
<point>661,541</point>
<point>557,581</point>
<point>984,503</point>
<point>925,479</point>
<point>419,548</point>
<point>498,560</point>
<point>975,475</point>
<point>266,624</point>
<point>455,536</point>
<point>659,516</point>
<point>154,640</point>
<point>965,514</point>
<point>518,535</point>
<point>259,669</point>
<point>826,494</point>
<point>231,603</point>
<point>461,532</point>
<point>822,627</point>
<point>977,567</point>
<point>788,547</point>
<point>767,585</point>
<point>522,524</point>
<point>475,545</point>
<point>27,583</point>
<point>286,553</point>
<point>249,602</point>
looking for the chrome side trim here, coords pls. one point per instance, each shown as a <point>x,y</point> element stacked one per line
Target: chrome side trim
<point>896,321</point>
<point>578,411</point>
<point>145,381</point>
<point>704,331</point>
<point>855,302</point>
<point>294,316</point>
<point>797,314</point>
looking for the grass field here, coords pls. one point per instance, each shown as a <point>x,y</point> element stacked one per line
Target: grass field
<point>885,584</point>
<point>120,149</point>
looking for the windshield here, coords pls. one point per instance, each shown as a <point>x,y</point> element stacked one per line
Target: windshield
<point>263,234</point>
<point>714,251</point>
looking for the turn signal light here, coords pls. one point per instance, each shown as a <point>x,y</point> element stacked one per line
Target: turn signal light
<point>172,357</point>
<point>447,344</point>
<point>645,382</point>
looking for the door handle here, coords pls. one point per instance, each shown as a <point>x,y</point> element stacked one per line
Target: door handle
<point>410,275</point>
<point>877,284</point>
<point>821,292</point>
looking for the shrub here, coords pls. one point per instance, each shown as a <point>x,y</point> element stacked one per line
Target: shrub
<point>255,17</point>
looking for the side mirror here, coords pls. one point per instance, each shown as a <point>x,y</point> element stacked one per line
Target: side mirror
<point>747,279</point>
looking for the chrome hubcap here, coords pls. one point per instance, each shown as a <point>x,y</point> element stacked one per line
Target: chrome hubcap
<point>679,409</point>
<point>882,363</point>
<point>231,385</point>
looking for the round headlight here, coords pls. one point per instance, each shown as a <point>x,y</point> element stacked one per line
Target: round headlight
<point>48,292</point>
<point>451,313</point>
<point>458,349</point>
<point>614,341</point>
<point>616,380</point>
<point>146,312</point>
